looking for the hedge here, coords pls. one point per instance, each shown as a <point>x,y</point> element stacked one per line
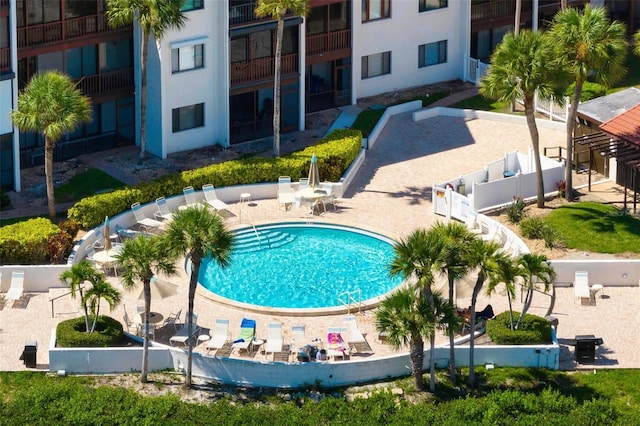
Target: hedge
<point>26,242</point>
<point>72,333</point>
<point>335,153</point>
<point>533,330</point>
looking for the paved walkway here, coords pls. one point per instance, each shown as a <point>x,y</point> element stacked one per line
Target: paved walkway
<point>391,194</point>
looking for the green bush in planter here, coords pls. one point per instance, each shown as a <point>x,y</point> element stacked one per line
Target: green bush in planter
<point>533,330</point>
<point>25,243</point>
<point>72,333</point>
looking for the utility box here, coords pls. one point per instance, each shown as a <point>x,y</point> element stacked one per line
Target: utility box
<point>30,354</point>
<point>586,348</point>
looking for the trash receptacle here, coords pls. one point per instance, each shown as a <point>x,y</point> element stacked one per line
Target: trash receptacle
<point>586,349</point>
<point>30,353</point>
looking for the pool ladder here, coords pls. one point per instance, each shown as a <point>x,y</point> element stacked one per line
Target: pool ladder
<point>351,299</point>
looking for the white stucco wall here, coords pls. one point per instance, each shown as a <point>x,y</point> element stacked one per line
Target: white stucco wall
<point>401,34</point>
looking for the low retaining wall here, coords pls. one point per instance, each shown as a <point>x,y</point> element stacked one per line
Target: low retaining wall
<point>607,272</point>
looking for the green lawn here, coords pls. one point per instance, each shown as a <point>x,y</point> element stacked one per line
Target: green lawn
<point>596,227</point>
<point>86,183</point>
<point>481,103</point>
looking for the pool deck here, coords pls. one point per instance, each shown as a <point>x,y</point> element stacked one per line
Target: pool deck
<point>391,195</point>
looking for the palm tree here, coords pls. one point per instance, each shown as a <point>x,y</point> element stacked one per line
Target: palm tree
<point>101,290</point>
<point>520,66</point>
<point>51,105</point>
<point>532,266</point>
<point>408,319</point>
<point>452,263</point>
<point>508,274</point>
<point>75,278</point>
<point>636,43</point>
<point>414,259</point>
<point>195,233</point>
<point>140,258</point>
<point>155,17</point>
<point>277,9</point>
<point>592,47</point>
<point>485,257</point>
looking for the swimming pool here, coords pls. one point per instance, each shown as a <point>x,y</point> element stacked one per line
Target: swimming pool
<point>302,267</point>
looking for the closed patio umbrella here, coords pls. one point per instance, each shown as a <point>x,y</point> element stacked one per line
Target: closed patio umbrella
<point>107,234</point>
<point>314,175</point>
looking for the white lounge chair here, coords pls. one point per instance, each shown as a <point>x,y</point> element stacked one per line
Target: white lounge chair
<point>163,212</point>
<point>17,287</point>
<point>147,224</point>
<point>190,198</point>
<point>285,192</point>
<point>274,339</point>
<point>298,338</point>
<point>220,335</point>
<point>356,339</point>
<point>581,286</point>
<point>212,199</point>
<point>183,335</point>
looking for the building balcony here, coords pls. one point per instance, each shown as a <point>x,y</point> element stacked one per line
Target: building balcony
<point>106,82</point>
<point>5,59</point>
<point>262,69</point>
<point>243,13</point>
<point>4,3</point>
<point>497,9</point>
<point>63,30</point>
<point>324,43</point>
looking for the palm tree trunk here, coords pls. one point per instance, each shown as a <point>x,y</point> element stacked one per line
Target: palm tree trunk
<point>510,309</point>
<point>48,173</point>
<point>145,344</point>
<point>516,24</point>
<point>416,352</point>
<point>571,124</point>
<point>527,301</point>
<point>193,282</point>
<point>84,306</point>
<point>432,362</point>
<point>276,86</point>
<point>143,95</point>
<point>472,335</point>
<point>535,142</point>
<point>452,349</point>
<point>95,318</point>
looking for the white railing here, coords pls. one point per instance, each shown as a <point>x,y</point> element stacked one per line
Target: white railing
<point>348,298</point>
<point>474,70</point>
<point>550,108</point>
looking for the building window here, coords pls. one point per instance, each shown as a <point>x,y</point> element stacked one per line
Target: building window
<point>375,9</point>
<point>192,5</point>
<point>187,58</point>
<point>188,117</point>
<point>375,65</point>
<point>432,53</point>
<point>426,5</point>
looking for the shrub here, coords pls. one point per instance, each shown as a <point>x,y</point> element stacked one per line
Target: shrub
<point>5,201</point>
<point>562,188</point>
<point>69,226</point>
<point>26,242</point>
<point>72,333</point>
<point>335,153</point>
<point>532,228</point>
<point>551,237</point>
<point>59,246</point>
<point>515,211</point>
<point>533,330</point>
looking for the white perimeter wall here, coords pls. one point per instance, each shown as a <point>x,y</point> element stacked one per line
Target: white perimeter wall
<point>208,85</point>
<point>401,34</point>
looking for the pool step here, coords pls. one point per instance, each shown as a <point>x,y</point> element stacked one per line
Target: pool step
<point>247,241</point>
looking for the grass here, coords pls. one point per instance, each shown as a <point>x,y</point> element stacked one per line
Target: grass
<point>596,227</point>
<point>481,103</point>
<point>84,184</point>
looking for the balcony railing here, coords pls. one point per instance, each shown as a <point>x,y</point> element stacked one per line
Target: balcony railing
<point>240,14</point>
<point>101,83</point>
<point>4,3</point>
<point>497,9</point>
<point>262,69</point>
<point>62,30</point>
<point>5,58</point>
<point>323,43</point>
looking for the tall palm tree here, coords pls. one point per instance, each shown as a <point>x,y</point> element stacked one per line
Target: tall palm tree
<point>155,17</point>
<point>485,258</point>
<point>520,66</point>
<point>408,319</point>
<point>101,290</point>
<point>414,259</point>
<point>52,105</point>
<point>197,232</point>
<point>277,9</point>
<point>533,267</point>
<point>453,264</point>
<point>141,258</point>
<point>636,43</point>
<point>75,278</point>
<point>508,274</point>
<point>592,47</point>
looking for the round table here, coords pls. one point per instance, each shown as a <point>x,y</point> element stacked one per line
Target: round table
<point>203,338</point>
<point>597,288</point>
<point>154,317</point>
<point>245,197</point>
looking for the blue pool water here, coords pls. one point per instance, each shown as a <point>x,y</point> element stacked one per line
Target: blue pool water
<point>302,266</point>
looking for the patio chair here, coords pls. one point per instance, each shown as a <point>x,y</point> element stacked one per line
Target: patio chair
<point>246,336</point>
<point>190,198</point>
<point>303,183</point>
<point>274,339</point>
<point>330,198</point>
<point>145,223</point>
<point>212,199</point>
<point>163,212</point>
<point>581,286</point>
<point>183,335</point>
<point>285,192</point>
<point>357,340</point>
<point>132,326</point>
<point>220,335</point>
<point>336,346</point>
<point>298,338</point>
<point>172,319</point>
<point>17,287</point>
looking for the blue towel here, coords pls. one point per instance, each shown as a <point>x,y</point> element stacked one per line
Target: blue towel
<point>248,323</point>
<point>238,341</point>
